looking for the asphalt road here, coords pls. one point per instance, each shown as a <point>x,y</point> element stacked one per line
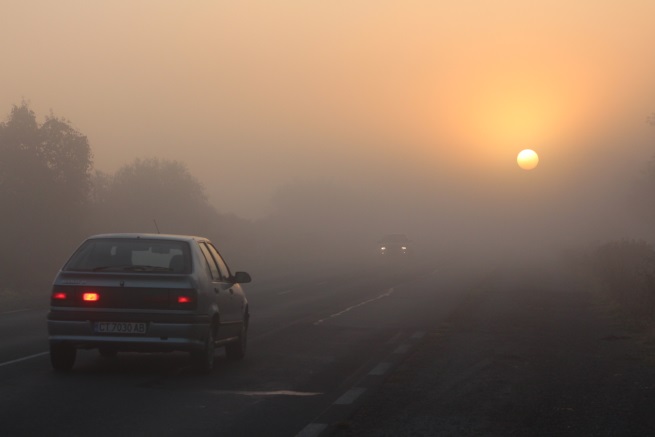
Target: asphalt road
<point>317,347</point>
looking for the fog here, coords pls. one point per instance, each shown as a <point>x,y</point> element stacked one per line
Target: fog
<point>320,128</point>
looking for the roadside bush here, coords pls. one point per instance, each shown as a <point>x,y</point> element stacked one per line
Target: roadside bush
<point>627,269</point>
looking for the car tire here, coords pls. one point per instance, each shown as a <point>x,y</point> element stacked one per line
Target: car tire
<point>203,360</point>
<point>62,356</point>
<point>237,350</point>
<point>107,352</point>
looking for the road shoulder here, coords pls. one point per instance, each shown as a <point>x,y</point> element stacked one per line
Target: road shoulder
<point>517,359</point>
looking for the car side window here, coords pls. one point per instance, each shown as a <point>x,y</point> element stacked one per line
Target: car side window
<point>219,260</point>
<point>216,276</point>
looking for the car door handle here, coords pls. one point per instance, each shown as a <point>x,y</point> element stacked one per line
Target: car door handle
<point>231,291</point>
<point>215,290</point>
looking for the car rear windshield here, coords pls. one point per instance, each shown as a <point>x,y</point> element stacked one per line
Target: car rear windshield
<point>131,255</point>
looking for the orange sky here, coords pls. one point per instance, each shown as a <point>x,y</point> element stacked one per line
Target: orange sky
<point>251,95</point>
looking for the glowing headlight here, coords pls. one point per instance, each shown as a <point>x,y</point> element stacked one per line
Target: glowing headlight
<point>383,248</point>
<point>404,248</point>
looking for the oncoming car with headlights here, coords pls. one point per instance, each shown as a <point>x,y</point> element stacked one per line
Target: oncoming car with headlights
<point>394,245</point>
<point>147,293</point>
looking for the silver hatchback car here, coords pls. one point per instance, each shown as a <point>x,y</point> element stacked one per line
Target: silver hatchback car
<point>147,293</point>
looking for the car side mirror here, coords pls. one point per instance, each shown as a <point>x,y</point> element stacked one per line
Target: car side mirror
<point>241,278</point>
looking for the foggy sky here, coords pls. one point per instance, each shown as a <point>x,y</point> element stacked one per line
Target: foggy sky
<point>420,105</point>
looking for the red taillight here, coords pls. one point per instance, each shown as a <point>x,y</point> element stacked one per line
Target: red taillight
<point>90,297</point>
<point>184,299</point>
<point>59,295</point>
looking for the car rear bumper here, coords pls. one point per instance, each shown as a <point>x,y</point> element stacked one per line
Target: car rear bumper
<point>185,333</point>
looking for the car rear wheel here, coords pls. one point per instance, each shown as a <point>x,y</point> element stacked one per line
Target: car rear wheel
<point>62,356</point>
<point>203,360</point>
<point>237,350</point>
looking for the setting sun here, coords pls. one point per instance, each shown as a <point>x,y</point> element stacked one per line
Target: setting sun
<point>527,159</point>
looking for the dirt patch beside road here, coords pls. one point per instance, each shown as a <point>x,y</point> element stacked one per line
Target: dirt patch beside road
<point>520,360</point>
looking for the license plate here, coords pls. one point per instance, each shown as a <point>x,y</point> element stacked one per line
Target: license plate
<point>120,327</point>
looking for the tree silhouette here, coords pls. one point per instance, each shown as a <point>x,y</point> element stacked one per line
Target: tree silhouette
<point>152,189</point>
<point>44,187</point>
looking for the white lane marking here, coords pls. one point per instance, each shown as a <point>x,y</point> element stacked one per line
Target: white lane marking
<point>285,292</point>
<point>418,335</point>
<point>380,369</point>
<point>312,430</point>
<point>350,396</point>
<point>17,311</point>
<point>403,348</point>
<point>18,360</point>
<point>266,393</point>
<point>387,293</point>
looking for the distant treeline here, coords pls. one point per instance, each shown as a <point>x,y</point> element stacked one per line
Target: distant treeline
<point>51,198</point>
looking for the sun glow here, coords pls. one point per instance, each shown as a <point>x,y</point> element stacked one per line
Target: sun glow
<point>484,116</point>
<point>527,159</point>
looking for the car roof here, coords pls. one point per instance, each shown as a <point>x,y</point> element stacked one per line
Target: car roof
<point>149,236</point>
